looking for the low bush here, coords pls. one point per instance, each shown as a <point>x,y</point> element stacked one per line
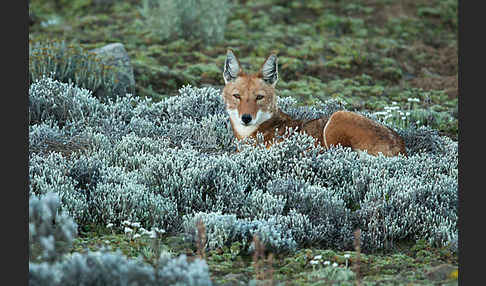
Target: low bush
<point>203,20</point>
<point>70,63</point>
<point>170,163</point>
<point>112,268</point>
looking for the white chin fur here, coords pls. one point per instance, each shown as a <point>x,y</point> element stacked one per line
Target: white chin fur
<point>246,130</point>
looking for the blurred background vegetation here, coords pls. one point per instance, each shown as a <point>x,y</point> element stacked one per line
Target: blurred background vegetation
<point>369,54</point>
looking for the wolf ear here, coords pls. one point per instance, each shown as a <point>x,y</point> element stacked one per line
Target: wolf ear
<point>269,71</point>
<point>231,67</point>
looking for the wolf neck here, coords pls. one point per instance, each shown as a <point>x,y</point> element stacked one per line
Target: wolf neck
<point>277,120</point>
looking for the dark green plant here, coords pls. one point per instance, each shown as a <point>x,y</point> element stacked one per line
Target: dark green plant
<point>70,63</point>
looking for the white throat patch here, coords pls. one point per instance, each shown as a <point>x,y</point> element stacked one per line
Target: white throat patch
<point>246,130</point>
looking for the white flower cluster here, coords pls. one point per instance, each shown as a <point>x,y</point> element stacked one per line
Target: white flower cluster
<point>135,230</point>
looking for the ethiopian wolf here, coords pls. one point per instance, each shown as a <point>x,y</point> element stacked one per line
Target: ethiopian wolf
<point>251,103</point>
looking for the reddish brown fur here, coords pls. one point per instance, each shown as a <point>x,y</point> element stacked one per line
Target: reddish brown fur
<point>248,87</point>
<point>344,128</point>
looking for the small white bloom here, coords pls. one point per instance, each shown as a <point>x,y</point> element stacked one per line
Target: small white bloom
<point>136,235</point>
<point>314,262</point>
<point>110,225</point>
<point>413,100</point>
<point>347,255</point>
<point>107,241</point>
<point>318,257</point>
<point>127,222</point>
<point>407,113</point>
<point>379,113</point>
<point>153,234</point>
<point>335,264</point>
<point>128,230</point>
<point>327,262</point>
<point>136,224</point>
<point>158,230</point>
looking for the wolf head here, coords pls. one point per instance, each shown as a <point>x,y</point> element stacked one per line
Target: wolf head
<point>250,98</point>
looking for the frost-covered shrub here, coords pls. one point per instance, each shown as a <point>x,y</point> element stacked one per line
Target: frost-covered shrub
<point>190,19</point>
<point>60,102</point>
<point>331,275</point>
<point>178,271</point>
<point>288,105</point>
<point>409,209</point>
<point>118,197</point>
<point>223,230</point>
<point>70,63</point>
<point>220,229</point>
<point>162,163</point>
<point>322,216</point>
<point>51,231</point>
<point>47,137</point>
<point>105,268</point>
<point>48,174</point>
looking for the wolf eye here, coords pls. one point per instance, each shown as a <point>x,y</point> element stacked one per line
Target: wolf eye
<point>236,95</point>
<point>259,97</point>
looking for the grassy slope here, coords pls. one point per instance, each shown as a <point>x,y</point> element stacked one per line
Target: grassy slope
<point>367,53</point>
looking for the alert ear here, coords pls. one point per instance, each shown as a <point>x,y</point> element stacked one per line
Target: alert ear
<point>269,70</point>
<point>231,67</point>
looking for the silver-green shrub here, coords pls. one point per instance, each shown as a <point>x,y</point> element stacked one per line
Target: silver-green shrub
<point>223,230</point>
<point>165,163</point>
<point>51,231</point>
<point>190,19</point>
<point>106,268</point>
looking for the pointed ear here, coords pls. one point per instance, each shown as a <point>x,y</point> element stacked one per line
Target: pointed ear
<point>269,70</point>
<point>231,67</point>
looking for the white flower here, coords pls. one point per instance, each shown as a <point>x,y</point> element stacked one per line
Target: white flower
<point>381,113</point>
<point>392,107</point>
<point>153,234</point>
<point>128,230</point>
<point>136,224</point>
<point>158,230</point>
<point>136,235</point>
<point>335,264</point>
<point>127,222</point>
<point>314,262</point>
<point>110,225</point>
<point>318,257</point>
<point>413,100</point>
<point>347,255</point>
<point>327,262</point>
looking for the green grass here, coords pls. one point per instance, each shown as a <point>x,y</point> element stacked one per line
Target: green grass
<point>369,54</point>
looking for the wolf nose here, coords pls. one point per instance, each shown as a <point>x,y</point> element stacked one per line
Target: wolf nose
<point>246,118</point>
